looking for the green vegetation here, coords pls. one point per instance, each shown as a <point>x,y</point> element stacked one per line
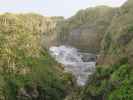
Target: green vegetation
<point>27,72</point>
<point>44,81</point>
<point>108,83</point>
<point>113,77</point>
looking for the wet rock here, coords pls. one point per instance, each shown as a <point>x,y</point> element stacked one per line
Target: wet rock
<point>81,65</point>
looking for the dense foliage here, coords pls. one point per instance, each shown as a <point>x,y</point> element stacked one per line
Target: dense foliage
<point>27,72</point>
<point>113,77</point>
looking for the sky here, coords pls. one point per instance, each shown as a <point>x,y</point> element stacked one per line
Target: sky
<point>64,8</point>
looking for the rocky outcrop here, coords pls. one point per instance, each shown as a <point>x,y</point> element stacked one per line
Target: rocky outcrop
<point>86,29</point>
<point>113,77</point>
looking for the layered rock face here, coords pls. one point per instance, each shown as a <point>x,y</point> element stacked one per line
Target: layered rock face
<point>85,30</point>
<point>113,77</point>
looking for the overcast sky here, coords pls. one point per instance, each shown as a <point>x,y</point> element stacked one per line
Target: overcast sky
<point>64,8</point>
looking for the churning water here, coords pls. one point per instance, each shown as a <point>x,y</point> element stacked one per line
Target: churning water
<point>79,64</point>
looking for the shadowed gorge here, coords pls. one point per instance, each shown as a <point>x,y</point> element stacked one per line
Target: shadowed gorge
<point>86,29</point>
<point>88,56</point>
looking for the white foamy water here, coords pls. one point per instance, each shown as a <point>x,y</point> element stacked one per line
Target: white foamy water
<point>73,62</point>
